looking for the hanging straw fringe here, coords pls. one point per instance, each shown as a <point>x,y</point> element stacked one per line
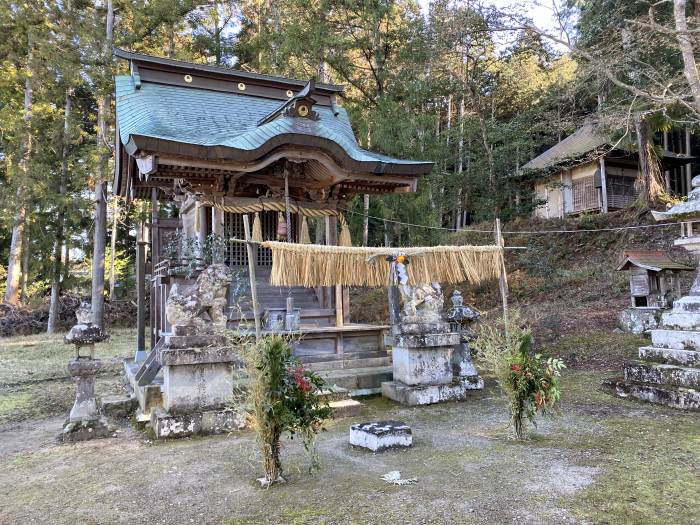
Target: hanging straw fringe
<point>257,228</point>
<point>318,265</point>
<point>304,237</point>
<point>345,239</point>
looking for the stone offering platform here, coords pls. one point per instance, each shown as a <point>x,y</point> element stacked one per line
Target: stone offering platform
<point>381,435</point>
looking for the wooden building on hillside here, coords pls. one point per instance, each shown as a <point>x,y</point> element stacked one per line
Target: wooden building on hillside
<point>206,145</point>
<point>587,173</point>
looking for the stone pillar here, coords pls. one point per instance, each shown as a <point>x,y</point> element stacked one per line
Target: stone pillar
<point>84,422</point>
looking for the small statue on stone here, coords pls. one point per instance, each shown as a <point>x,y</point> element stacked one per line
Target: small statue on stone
<point>422,302</point>
<point>201,305</point>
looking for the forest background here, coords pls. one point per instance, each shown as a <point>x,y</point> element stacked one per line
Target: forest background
<point>477,89</point>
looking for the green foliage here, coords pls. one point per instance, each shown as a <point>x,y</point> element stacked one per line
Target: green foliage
<point>283,397</point>
<point>529,381</point>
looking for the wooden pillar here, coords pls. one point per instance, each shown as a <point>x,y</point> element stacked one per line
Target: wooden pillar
<point>202,220</point>
<point>217,221</point>
<point>140,295</point>
<point>603,186</point>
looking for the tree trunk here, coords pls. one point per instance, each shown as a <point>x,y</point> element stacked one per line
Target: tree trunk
<point>15,258</point>
<point>365,220</point>
<point>649,183</point>
<point>113,247</point>
<point>685,42</point>
<point>25,268</point>
<point>60,218</point>
<point>100,231</point>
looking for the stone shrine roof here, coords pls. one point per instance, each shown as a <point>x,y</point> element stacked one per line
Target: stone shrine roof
<point>654,261</point>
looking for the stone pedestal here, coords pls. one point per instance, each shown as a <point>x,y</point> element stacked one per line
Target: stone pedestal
<point>197,384</point>
<point>84,421</point>
<point>424,372</point>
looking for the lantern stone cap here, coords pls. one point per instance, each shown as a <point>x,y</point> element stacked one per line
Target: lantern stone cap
<point>653,260</point>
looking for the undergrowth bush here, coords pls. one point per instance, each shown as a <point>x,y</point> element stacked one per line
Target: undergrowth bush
<point>529,381</point>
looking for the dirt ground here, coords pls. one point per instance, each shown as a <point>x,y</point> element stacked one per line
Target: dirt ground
<point>604,460</point>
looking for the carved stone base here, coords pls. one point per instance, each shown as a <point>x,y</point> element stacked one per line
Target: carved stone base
<point>428,394</point>
<point>84,430</point>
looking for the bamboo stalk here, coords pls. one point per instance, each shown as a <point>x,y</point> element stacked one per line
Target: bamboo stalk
<point>502,280</point>
<point>253,283</point>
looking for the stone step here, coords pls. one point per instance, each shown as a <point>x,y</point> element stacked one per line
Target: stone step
<point>334,393</point>
<point>670,356</point>
<point>359,381</point>
<point>689,303</point>
<point>678,397</point>
<point>679,339</point>
<point>339,364</point>
<point>681,320</point>
<point>345,408</point>
<point>322,357</point>
<point>659,374</point>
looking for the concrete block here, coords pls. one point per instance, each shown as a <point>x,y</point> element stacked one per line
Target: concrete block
<point>381,435</point>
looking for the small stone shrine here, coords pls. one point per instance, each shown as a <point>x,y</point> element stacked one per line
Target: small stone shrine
<point>84,421</point>
<point>195,361</point>
<point>381,435</point>
<point>425,347</point>
<point>668,371</point>
<point>654,284</point>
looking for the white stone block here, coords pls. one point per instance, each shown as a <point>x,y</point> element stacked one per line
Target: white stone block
<point>380,435</point>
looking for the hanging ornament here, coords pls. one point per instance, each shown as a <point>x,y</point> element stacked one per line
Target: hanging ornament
<point>304,237</point>
<point>281,227</point>
<point>257,228</point>
<point>345,239</point>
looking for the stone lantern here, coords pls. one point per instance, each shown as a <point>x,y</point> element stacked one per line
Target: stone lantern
<point>462,317</point>
<point>84,421</point>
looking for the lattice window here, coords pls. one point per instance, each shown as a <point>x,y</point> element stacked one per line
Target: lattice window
<point>584,194</point>
<point>233,229</point>
<point>621,191</point>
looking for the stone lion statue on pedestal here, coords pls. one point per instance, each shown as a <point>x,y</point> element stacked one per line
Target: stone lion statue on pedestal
<point>422,302</point>
<point>200,305</point>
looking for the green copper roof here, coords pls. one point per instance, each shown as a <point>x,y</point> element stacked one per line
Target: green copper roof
<point>225,125</point>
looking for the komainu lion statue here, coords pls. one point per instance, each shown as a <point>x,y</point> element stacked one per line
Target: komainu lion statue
<point>200,305</point>
<point>422,302</point>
